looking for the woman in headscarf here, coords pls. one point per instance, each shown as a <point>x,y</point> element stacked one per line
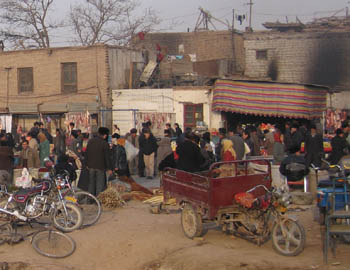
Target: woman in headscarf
<point>227,151</point>
<point>121,167</point>
<point>120,161</point>
<point>44,148</point>
<point>227,154</point>
<point>278,147</point>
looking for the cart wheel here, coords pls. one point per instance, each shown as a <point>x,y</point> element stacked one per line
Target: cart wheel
<point>191,222</point>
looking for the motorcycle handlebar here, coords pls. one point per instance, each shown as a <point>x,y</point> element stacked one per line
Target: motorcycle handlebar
<point>254,188</point>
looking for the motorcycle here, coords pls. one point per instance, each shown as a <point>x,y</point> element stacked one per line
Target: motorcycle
<point>44,199</point>
<point>259,219</point>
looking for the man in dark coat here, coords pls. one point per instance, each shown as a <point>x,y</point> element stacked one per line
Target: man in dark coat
<point>148,147</point>
<point>287,136</point>
<point>296,136</point>
<point>6,162</point>
<point>313,147</point>
<point>190,157</point>
<point>238,143</point>
<point>339,148</point>
<point>218,146</point>
<point>98,161</point>
<point>255,139</point>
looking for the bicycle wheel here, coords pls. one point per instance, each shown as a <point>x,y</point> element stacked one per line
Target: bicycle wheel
<point>89,205</point>
<point>53,244</point>
<point>70,221</point>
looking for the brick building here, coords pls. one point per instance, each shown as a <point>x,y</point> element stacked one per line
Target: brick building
<point>59,84</point>
<point>207,53</point>
<point>314,57</point>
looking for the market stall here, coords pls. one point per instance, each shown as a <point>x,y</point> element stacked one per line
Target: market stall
<point>270,99</point>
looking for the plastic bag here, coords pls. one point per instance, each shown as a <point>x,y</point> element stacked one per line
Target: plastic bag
<point>131,150</point>
<point>25,180</point>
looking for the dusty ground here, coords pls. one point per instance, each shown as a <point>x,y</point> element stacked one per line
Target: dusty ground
<point>132,238</point>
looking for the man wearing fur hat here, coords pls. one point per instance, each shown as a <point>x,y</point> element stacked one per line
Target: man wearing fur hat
<point>98,161</point>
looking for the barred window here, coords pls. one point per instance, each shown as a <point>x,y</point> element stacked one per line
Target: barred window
<point>25,79</point>
<point>69,77</point>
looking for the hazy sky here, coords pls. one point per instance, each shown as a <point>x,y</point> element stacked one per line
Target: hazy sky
<point>178,15</point>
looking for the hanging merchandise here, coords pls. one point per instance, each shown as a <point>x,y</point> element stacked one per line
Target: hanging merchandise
<point>6,123</point>
<point>81,121</point>
<point>334,119</point>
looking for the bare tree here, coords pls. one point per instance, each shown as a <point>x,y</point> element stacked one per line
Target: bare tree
<point>26,22</point>
<point>110,21</point>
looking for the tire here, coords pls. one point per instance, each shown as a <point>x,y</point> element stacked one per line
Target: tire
<point>89,205</point>
<point>191,222</point>
<point>293,243</point>
<point>5,232</point>
<point>69,223</point>
<point>53,244</point>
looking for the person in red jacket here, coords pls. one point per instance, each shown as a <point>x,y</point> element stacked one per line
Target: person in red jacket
<point>227,152</point>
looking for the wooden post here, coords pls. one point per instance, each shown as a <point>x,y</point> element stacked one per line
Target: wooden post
<point>130,74</point>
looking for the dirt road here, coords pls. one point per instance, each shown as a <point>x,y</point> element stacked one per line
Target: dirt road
<point>132,238</point>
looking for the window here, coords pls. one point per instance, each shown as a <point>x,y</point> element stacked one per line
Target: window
<point>25,80</point>
<point>261,54</point>
<point>193,113</point>
<point>69,77</point>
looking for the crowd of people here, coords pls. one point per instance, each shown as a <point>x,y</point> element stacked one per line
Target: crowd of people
<point>194,152</point>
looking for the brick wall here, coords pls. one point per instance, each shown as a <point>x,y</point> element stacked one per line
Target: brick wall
<point>316,57</point>
<point>92,73</point>
<point>207,45</point>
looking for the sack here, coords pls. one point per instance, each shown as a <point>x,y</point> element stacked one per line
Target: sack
<point>246,149</point>
<point>25,180</point>
<point>131,150</point>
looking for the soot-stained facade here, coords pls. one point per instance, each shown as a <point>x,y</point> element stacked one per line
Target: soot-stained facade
<point>318,57</point>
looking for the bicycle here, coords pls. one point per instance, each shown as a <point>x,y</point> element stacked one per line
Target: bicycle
<point>88,203</point>
<point>47,242</point>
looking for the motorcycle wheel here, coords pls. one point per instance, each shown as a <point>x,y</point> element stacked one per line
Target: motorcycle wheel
<point>191,222</point>
<point>70,222</point>
<point>293,242</point>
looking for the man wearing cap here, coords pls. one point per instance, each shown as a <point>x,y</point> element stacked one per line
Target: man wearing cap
<point>98,161</point>
<point>133,138</point>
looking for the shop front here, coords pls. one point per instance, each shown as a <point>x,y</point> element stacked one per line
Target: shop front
<point>250,102</point>
<point>54,116</point>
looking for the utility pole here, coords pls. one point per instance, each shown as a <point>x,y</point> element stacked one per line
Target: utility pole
<point>250,14</point>
<point>233,41</point>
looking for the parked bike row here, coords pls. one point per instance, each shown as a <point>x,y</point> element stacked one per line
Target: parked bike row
<point>54,199</point>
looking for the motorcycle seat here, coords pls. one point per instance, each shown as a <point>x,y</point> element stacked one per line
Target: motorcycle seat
<point>44,185</point>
